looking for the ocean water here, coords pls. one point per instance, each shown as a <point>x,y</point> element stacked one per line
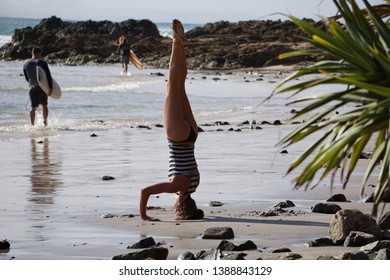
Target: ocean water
<point>99,97</point>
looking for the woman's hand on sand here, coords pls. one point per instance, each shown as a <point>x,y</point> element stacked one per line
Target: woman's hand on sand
<point>147,218</point>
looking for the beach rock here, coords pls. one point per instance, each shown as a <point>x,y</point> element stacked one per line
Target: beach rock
<point>110,216</point>
<point>386,234</point>
<point>247,245</point>
<point>345,221</point>
<point>290,256</point>
<point>358,239</point>
<point>226,246</point>
<point>144,127</point>
<point>364,155</point>
<point>385,197</point>
<point>276,211</point>
<point>326,208</point>
<point>107,178</point>
<point>221,123</point>
<point>338,198</point>
<point>216,254</point>
<point>325,241</point>
<point>215,203</point>
<point>211,254</point>
<point>151,254</point>
<point>281,250</point>
<point>144,243</point>
<point>376,246</point>
<point>384,221</point>
<point>229,246</point>
<point>219,45</point>
<point>358,255</point>
<point>4,245</point>
<point>157,74</point>
<point>107,216</point>
<point>234,257</point>
<point>285,204</point>
<point>186,256</point>
<point>371,254</point>
<point>383,254</point>
<point>326,258</point>
<point>218,233</point>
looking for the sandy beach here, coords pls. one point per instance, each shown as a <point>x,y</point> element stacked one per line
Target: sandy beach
<point>55,204</point>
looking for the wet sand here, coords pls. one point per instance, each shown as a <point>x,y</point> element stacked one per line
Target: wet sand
<point>53,195</point>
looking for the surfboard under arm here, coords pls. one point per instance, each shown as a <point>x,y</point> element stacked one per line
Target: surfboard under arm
<point>44,84</point>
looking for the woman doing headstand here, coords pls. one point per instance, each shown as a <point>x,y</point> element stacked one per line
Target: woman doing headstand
<point>182,131</point>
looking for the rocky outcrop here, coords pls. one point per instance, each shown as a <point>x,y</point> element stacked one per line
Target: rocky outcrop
<point>220,45</point>
<point>345,221</point>
<point>82,42</point>
<point>242,44</point>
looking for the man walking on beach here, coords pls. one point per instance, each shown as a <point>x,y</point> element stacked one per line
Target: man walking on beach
<point>37,95</point>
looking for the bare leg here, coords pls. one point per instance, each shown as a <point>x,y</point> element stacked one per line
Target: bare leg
<point>178,117</point>
<point>187,111</point>
<point>32,115</point>
<point>45,114</point>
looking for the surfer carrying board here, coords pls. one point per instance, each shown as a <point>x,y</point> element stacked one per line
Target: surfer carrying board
<point>127,55</point>
<point>182,131</point>
<point>37,95</point>
<point>124,52</point>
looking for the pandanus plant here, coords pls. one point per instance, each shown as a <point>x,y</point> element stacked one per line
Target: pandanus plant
<point>357,42</point>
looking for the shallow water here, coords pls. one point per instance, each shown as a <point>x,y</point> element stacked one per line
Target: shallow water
<point>98,97</point>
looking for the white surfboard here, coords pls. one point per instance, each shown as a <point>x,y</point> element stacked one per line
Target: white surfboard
<point>42,82</point>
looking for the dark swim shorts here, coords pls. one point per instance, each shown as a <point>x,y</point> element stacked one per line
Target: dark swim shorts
<point>125,59</point>
<point>37,96</point>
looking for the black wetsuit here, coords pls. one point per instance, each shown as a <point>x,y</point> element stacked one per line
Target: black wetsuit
<point>37,95</point>
<point>124,51</point>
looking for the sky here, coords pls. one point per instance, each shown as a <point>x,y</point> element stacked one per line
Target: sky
<point>194,11</point>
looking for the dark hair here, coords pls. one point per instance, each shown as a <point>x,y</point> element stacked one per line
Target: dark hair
<point>188,210</point>
<point>36,50</point>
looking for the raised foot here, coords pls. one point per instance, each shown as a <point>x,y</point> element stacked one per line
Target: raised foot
<point>178,31</point>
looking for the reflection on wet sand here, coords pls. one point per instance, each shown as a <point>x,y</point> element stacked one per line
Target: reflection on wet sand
<point>44,172</point>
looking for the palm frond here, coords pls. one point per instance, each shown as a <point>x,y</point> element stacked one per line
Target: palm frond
<point>361,48</point>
